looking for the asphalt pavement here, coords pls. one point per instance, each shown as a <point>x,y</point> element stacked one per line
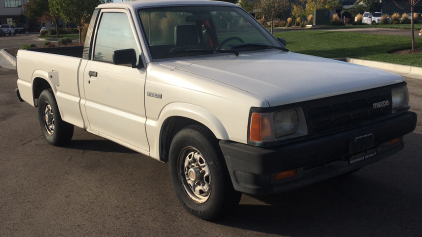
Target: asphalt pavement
<point>94,187</point>
<point>16,41</point>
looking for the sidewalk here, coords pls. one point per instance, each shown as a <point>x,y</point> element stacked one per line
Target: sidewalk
<point>5,62</point>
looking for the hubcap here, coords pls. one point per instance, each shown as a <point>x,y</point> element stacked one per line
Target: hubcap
<point>195,174</point>
<point>48,119</point>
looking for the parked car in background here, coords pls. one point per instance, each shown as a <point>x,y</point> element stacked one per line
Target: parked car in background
<point>2,33</point>
<point>8,29</point>
<point>20,29</point>
<point>45,28</point>
<point>409,15</point>
<point>376,17</point>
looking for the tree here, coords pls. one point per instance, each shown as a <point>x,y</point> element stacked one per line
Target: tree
<point>357,9</point>
<point>55,13</point>
<point>412,4</point>
<point>35,8</point>
<point>273,8</point>
<point>245,4</point>
<point>372,5</point>
<point>78,11</point>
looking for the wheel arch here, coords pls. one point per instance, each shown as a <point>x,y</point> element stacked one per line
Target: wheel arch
<point>40,82</point>
<point>177,116</point>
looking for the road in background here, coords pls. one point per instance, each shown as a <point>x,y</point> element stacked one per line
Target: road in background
<point>94,187</point>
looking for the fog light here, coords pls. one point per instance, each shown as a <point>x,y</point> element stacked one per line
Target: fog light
<point>285,175</point>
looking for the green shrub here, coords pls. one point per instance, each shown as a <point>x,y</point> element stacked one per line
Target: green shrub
<point>47,43</point>
<point>282,24</point>
<point>32,46</point>
<point>64,41</point>
<point>297,22</point>
<point>25,47</point>
<point>43,33</point>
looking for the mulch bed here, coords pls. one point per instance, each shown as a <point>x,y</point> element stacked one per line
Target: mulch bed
<point>408,51</point>
<point>12,52</point>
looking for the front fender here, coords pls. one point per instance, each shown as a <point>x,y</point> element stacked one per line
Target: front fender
<point>194,112</point>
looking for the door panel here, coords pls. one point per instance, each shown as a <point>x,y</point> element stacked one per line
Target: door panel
<point>115,93</point>
<point>115,102</point>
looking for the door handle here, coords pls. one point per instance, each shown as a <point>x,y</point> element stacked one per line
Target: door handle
<point>93,74</point>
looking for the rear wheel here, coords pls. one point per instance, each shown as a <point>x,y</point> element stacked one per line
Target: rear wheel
<point>199,174</point>
<point>56,131</point>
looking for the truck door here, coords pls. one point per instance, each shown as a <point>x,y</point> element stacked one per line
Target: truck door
<point>115,93</point>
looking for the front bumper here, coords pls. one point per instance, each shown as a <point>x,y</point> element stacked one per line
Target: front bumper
<point>252,168</point>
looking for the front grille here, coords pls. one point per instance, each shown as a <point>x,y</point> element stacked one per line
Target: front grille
<point>340,112</point>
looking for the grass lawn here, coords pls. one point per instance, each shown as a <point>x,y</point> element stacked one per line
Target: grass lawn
<point>72,36</point>
<point>354,45</point>
<point>418,27</point>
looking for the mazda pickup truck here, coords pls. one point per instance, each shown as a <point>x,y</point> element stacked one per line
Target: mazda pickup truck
<point>202,86</point>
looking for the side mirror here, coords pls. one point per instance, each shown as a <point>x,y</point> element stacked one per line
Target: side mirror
<point>282,41</point>
<point>125,56</point>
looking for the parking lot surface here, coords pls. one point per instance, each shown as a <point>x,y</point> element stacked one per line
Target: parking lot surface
<point>94,187</point>
<point>16,41</point>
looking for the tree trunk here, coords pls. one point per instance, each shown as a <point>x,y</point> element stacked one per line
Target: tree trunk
<point>272,26</point>
<point>57,28</point>
<point>413,28</point>
<point>80,34</point>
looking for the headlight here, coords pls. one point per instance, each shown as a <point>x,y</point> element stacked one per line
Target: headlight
<point>399,97</point>
<point>268,127</point>
<point>285,123</point>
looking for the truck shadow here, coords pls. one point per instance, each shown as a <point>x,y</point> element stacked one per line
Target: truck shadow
<point>384,199</point>
<point>99,145</point>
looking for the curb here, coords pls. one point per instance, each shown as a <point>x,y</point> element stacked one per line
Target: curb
<point>403,70</point>
<point>9,57</point>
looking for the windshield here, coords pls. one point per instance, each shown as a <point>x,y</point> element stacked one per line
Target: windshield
<point>185,31</point>
<point>376,14</point>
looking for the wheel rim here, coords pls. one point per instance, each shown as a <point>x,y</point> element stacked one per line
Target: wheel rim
<point>48,119</point>
<point>194,174</point>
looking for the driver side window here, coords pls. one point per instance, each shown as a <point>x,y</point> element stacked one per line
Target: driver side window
<point>114,33</point>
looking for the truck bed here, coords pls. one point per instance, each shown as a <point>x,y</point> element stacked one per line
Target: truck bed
<point>60,68</point>
<point>65,51</point>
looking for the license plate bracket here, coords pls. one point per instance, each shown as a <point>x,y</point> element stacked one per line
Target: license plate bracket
<point>361,143</point>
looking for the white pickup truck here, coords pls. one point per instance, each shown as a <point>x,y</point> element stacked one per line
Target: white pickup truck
<point>203,86</point>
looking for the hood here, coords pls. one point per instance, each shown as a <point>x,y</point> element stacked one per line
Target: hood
<point>285,77</point>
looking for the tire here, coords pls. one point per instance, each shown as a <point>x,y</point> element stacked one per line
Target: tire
<point>10,33</point>
<point>55,130</point>
<point>215,196</point>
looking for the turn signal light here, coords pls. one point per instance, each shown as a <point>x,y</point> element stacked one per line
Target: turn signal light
<point>394,141</point>
<point>260,128</point>
<point>285,175</point>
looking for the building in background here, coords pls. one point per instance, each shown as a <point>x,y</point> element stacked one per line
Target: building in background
<point>11,12</point>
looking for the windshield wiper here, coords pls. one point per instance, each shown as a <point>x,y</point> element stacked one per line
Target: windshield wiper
<point>203,51</point>
<point>254,45</point>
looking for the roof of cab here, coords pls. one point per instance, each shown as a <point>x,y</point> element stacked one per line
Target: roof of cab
<point>160,3</point>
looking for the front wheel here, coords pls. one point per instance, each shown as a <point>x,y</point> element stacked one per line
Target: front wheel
<point>199,174</point>
<point>56,131</point>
